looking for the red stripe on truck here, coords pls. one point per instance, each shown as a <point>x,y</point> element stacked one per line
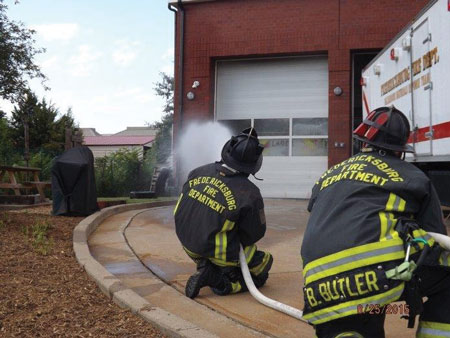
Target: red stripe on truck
<point>365,100</point>
<point>441,130</point>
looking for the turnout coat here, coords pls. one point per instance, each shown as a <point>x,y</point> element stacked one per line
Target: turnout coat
<point>217,210</point>
<point>351,237</point>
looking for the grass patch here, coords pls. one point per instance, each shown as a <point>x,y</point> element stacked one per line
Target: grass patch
<point>37,234</point>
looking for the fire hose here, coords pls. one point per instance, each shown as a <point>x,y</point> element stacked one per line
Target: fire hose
<point>289,310</point>
<point>443,240</point>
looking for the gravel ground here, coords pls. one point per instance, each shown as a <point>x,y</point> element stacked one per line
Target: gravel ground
<point>44,292</point>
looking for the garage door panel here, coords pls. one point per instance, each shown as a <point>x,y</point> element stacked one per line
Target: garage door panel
<point>280,88</point>
<point>290,177</point>
<point>261,87</point>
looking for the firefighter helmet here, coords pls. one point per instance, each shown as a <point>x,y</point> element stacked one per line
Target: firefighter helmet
<point>243,152</point>
<point>385,128</point>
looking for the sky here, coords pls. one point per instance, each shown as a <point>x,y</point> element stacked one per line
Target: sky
<point>102,58</point>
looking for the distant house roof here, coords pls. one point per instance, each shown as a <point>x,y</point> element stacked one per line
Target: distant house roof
<point>89,132</point>
<point>117,140</point>
<point>137,131</point>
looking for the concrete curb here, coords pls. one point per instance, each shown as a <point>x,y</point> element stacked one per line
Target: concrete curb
<point>168,323</point>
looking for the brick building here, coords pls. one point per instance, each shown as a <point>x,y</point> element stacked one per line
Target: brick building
<point>291,68</point>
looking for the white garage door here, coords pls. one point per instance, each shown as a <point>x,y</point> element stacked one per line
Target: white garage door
<point>286,100</point>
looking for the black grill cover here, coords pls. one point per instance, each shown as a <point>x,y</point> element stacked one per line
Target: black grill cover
<point>73,183</point>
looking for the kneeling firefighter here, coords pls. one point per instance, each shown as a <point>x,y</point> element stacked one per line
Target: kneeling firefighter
<point>366,243</point>
<point>219,209</point>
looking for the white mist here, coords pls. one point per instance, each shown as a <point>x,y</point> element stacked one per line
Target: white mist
<point>200,143</point>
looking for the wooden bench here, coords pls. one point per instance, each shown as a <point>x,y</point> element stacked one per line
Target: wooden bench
<point>17,186</point>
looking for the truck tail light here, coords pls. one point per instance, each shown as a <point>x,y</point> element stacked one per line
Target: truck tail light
<point>448,6</point>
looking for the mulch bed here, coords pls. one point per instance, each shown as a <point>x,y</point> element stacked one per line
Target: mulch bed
<point>43,290</point>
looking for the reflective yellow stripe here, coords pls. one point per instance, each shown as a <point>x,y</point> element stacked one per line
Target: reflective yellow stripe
<point>249,252</point>
<point>390,202</point>
<point>353,258</point>
<point>178,202</point>
<point>444,258</point>
<point>220,262</point>
<point>387,219</point>
<point>191,254</point>
<point>351,307</point>
<point>387,224</point>
<point>423,234</point>
<point>433,330</point>
<point>236,287</point>
<point>260,267</point>
<point>220,251</point>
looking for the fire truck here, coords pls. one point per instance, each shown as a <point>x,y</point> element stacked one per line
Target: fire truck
<point>413,73</point>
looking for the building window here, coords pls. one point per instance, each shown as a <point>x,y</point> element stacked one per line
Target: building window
<point>236,126</point>
<point>287,136</point>
<point>272,127</point>
<point>310,147</point>
<point>275,147</point>
<point>310,126</point>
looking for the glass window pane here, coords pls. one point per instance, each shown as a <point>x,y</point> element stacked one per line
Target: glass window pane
<point>272,127</point>
<point>275,147</point>
<point>310,126</point>
<point>310,147</point>
<point>236,126</point>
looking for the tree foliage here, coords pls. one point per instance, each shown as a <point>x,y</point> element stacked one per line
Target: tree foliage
<point>46,127</point>
<point>162,145</point>
<point>119,173</point>
<point>17,54</point>
<point>46,133</point>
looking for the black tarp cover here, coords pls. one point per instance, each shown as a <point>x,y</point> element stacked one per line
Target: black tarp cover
<point>73,183</point>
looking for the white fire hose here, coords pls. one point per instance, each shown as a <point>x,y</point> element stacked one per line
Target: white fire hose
<point>443,240</point>
<point>289,310</point>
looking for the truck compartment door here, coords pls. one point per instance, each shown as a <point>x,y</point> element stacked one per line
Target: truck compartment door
<point>422,84</point>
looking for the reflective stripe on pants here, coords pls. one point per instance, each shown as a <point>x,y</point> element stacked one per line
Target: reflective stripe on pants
<point>433,330</point>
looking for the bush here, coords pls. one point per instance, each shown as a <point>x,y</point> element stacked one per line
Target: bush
<point>121,172</point>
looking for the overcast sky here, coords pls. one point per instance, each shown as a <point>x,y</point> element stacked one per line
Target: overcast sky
<point>103,57</point>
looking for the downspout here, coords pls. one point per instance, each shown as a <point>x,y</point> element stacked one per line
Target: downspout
<point>180,8</point>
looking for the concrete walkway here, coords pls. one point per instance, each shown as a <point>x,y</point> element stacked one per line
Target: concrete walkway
<point>141,249</point>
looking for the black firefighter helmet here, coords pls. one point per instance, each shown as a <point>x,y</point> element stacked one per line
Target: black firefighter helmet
<point>385,128</point>
<point>244,152</point>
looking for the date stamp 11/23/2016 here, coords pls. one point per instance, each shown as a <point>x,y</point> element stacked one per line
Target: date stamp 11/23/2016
<point>389,309</point>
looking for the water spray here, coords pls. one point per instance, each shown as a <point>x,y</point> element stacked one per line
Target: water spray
<point>289,310</point>
<point>200,143</point>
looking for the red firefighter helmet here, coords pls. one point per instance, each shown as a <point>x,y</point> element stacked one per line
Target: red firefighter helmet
<point>385,128</point>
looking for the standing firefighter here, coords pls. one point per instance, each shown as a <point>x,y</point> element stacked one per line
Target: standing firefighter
<point>366,243</point>
<point>219,208</point>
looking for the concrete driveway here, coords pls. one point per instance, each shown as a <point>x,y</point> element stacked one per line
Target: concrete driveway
<point>141,249</point>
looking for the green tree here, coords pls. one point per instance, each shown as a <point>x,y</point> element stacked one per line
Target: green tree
<point>17,54</point>
<point>46,126</point>
<point>7,152</point>
<point>162,145</point>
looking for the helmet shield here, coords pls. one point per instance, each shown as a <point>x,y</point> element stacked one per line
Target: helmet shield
<point>385,128</point>
<point>244,152</point>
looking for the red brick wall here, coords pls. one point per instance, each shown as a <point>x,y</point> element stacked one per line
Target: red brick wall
<point>254,28</point>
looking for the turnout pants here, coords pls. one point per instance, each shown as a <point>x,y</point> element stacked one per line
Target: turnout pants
<point>259,264</point>
<point>434,322</point>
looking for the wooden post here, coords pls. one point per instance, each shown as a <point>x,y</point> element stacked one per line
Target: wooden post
<point>68,139</point>
<point>26,130</point>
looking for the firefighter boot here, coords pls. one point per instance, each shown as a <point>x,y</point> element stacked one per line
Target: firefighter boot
<point>207,275</point>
